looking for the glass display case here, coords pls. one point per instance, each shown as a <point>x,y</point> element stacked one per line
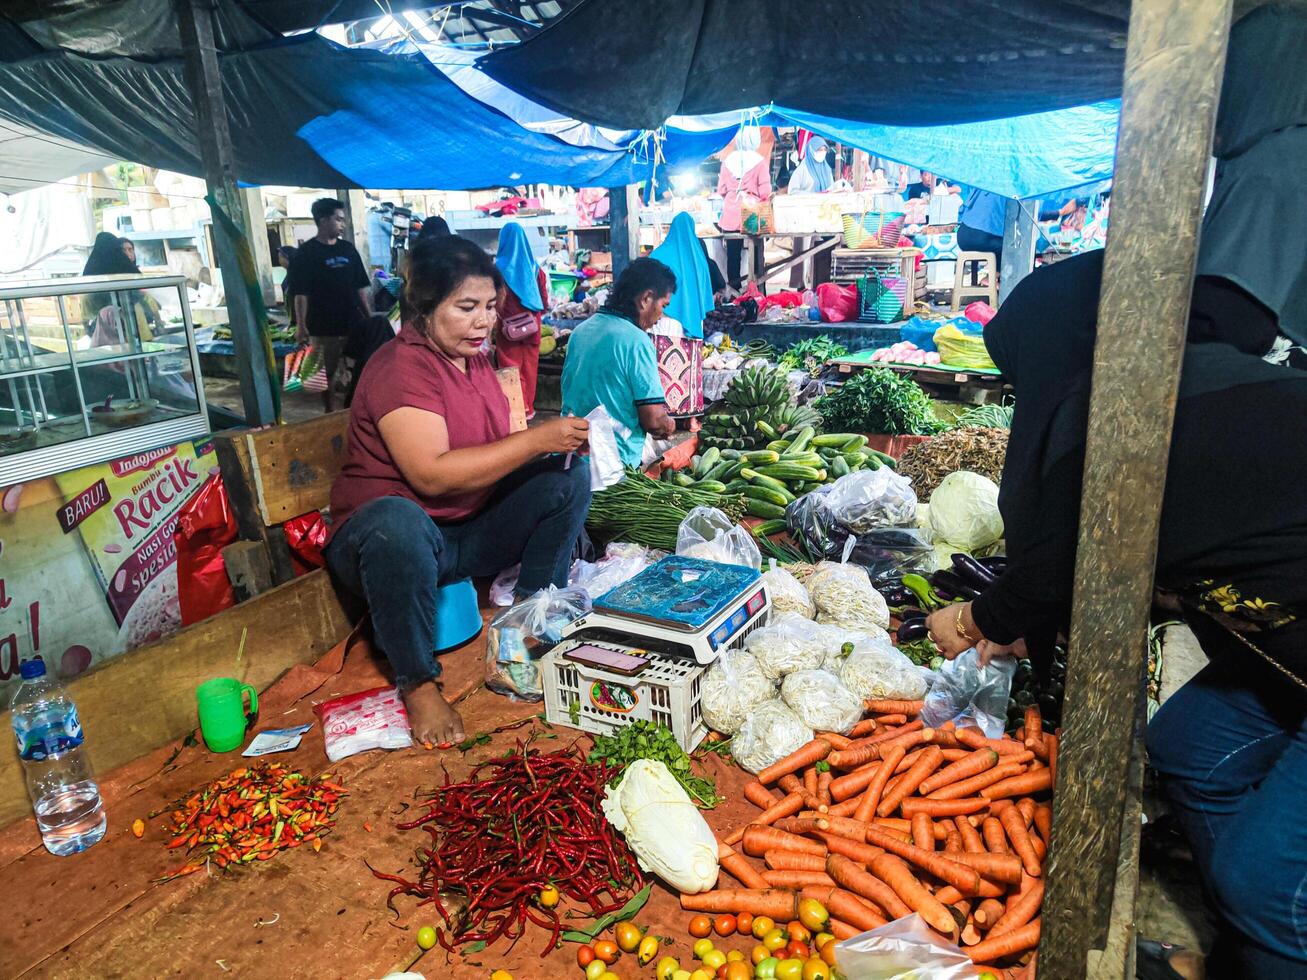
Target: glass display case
<point>94,368</point>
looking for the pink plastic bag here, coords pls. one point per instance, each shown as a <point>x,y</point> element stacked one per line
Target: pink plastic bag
<point>837,303</point>
<point>979,312</point>
<point>355,723</point>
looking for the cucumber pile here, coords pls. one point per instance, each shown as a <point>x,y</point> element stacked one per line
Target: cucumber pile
<point>772,478</point>
<point>758,407</point>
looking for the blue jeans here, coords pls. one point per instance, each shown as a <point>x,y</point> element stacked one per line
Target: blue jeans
<point>1231,746</point>
<point>394,555</point>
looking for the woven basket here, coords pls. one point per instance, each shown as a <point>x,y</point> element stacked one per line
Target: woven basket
<point>881,297</point>
<point>873,229</point>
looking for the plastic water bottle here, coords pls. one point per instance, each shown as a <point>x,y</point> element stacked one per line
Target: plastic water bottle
<point>67,801</point>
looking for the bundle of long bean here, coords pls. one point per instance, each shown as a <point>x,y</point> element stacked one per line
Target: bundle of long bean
<point>521,822</point>
<point>649,512</point>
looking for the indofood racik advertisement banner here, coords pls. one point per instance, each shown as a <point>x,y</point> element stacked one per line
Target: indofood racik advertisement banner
<point>88,564</point>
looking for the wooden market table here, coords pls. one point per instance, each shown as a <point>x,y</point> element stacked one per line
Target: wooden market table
<point>977,386</point>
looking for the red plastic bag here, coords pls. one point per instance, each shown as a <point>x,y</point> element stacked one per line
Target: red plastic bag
<point>837,303</point>
<point>205,525</point>
<point>979,312</point>
<point>786,300</point>
<point>307,536</point>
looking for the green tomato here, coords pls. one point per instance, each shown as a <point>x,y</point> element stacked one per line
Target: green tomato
<point>766,969</point>
<point>426,937</point>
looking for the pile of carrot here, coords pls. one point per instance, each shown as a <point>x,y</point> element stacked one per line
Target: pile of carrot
<point>900,818</point>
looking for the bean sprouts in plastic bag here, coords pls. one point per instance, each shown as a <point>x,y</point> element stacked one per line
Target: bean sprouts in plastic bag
<point>875,671</point>
<point>787,592</point>
<point>770,733</point>
<point>786,644</point>
<point>905,949</point>
<point>731,688</point>
<point>844,596</point>
<point>821,701</point>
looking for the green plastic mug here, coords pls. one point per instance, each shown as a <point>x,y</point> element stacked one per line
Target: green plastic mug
<point>222,712</point>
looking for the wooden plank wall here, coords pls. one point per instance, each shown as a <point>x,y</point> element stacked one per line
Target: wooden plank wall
<point>146,698</point>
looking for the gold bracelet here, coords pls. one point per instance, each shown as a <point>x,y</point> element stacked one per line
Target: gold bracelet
<point>962,630</point>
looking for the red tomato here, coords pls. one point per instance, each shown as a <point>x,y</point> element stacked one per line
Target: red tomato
<point>797,950</point>
<point>744,924</point>
<point>724,925</point>
<point>700,926</point>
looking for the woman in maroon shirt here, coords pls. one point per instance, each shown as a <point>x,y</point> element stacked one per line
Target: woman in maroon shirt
<point>435,487</point>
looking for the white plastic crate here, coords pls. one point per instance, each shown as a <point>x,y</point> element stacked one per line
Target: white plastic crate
<point>666,692</point>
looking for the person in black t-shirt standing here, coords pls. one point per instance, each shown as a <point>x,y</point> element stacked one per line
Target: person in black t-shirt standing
<point>330,287</point>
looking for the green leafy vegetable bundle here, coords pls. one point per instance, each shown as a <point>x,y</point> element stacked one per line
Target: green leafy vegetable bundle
<point>880,400</point>
<point>812,353</point>
<point>649,740</point>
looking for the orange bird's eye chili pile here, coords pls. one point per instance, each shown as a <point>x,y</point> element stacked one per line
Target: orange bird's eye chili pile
<point>251,814</point>
<point>521,822</point>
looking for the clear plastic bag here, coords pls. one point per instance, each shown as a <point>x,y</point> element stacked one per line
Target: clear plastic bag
<point>786,644</point>
<point>844,596</point>
<point>885,552</point>
<point>709,534</point>
<point>501,589</point>
<point>605,460</point>
<point>520,635</point>
<point>820,701</point>
<point>966,693</point>
<point>872,498</point>
<point>905,949</point>
<point>787,593</point>
<point>620,563</point>
<point>731,688</point>
<point>879,671</point>
<point>770,733</point>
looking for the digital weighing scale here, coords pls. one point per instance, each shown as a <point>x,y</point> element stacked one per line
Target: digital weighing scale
<point>680,606</point>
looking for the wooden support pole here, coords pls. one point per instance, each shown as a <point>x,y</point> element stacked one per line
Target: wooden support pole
<point>624,226</point>
<point>356,222</point>
<point>256,227</point>
<point>204,80</point>
<point>1175,57</point>
<point>1019,236</point>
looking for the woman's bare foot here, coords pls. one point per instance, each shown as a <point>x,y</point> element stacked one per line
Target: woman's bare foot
<point>431,717</point>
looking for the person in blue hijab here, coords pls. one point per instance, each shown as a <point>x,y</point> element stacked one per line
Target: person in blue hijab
<point>521,308</point>
<point>813,174</point>
<point>682,252</point>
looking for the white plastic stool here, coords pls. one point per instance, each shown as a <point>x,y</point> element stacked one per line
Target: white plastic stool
<point>981,263</point>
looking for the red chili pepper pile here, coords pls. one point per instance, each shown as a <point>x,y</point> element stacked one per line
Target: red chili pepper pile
<point>251,814</point>
<point>521,822</point>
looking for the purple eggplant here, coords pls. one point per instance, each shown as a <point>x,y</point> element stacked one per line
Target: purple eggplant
<point>972,571</point>
<point>995,563</point>
<point>897,595</point>
<point>912,630</point>
<point>944,580</point>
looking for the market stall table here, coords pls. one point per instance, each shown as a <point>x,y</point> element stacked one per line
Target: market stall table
<point>783,334</point>
<point>970,385</point>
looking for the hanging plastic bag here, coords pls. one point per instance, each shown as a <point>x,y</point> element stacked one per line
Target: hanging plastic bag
<point>709,534</point>
<point>205,525</point>
<point>520,635</point>
<point>905,949</point>
<point>820,701</point>
<point>732,688</point>
<point>966,693</point>
<point>605,459</point>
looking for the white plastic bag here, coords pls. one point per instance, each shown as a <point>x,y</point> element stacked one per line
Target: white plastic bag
<point>709,534</point>
<point>786,644</point>
<point>821,701</point>
<point>964,511</point>
<point>905,949</point>
<point>523,633</point>
<point>966,693</point>
<point>844,596</point>
<point>355,723</point>
<point>501,589</point>
<point>872,498</point>
<point>881,672</point>
<point>605,459</point>
<point>787,592</point>
<point>770,733</point>
<point>663,827</point>
<point>731,688</point>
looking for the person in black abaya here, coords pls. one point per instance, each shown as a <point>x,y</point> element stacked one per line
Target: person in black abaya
<point>1232,743</point>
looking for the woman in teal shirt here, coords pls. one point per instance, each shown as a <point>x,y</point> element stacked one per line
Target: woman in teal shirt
<point>611,361</point>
